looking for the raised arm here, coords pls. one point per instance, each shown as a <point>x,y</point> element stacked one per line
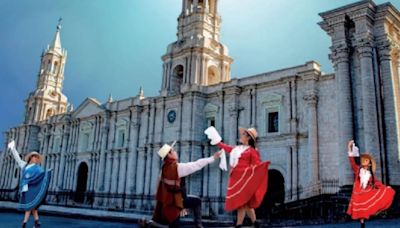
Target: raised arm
<point>15,154</point>
<point>353,164</point>
<point>353,152</point>
<point>225,147</point>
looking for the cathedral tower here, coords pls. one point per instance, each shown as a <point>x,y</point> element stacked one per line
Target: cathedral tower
<point>365,46</point>
<point>48,99</point>
<point>197,57</point>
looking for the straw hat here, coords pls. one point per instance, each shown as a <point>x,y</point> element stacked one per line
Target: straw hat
<point>164,150</point>
<point>33,153</point>
<point>251,131</point>
<point>369,156</point>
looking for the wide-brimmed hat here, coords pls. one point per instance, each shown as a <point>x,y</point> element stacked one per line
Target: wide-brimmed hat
<point>31,154</point>
<point>369,156</point>
<point>165,149</point>
<point>251,131</point>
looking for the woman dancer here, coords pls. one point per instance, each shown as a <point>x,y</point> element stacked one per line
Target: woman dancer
<point>369,196</point>
<point>33,185</point>
<point>248,177</point>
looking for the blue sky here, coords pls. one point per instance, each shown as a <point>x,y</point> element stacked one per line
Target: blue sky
<point>115,46</point>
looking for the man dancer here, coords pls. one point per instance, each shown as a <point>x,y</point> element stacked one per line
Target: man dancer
<point>169,196</point>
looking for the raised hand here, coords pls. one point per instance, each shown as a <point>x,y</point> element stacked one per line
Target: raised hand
<point>350,145</point>
<point>213,134</point>
<point>11,145</point>
<point>217,154</point>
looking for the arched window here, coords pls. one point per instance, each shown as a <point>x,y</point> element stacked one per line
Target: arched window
<point>121,128</point>
<point>48,66</point>
<point>49,112</point>
<point>57,144</point>
<point>55,67</point>
<point>85,136</point>
<point>177,79</point>
<point>201,3</point>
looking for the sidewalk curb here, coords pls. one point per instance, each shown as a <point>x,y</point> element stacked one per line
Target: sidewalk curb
<point>93,214</point>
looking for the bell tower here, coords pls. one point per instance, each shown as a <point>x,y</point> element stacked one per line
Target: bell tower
<point>47,99</point>
<point>197,58</point>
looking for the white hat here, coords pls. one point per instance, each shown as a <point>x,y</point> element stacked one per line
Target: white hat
<point>164,150</point>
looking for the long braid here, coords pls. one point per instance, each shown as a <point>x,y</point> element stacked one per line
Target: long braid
<point>372,175</point>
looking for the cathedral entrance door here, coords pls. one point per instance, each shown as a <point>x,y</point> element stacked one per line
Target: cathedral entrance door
<point>274,197</point>
<point>81,183</point>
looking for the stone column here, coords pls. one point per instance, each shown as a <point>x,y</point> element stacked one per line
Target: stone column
<point>340,59</point>
<point>233,133</point>
<point>314,169</point>
<point>115,170</point>
<point>122,172</point>
<point>148,169</point>
<point>62,161</point>
<point>389,68</point>
<point>56,167</point>
<point>115,175</point>
<point>140,172</point>
<point>155,167</point>
<point>108,171</point>
<point>6,169</point>
<point>295,173</point>
<point>234,114</point>
<point>370,118</point>
<point>132,153</point>
<point>74,168</point>
<point>102,165</point>
<point>254,108</point>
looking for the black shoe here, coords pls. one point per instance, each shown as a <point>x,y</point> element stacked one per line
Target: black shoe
<point>24,225</point>
<point>37,224</point>
<point>238,226</point>
<point>256,224</point>
<point>363,225</point>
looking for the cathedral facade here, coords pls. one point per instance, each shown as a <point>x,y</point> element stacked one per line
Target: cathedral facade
<point>104,155</point>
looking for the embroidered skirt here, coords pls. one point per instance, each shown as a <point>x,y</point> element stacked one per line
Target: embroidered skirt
<point>247,186</point>
<point>36,193</point>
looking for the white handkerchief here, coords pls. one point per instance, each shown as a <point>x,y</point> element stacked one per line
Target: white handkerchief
<point>355,152</point>
<point>11,145</point>
<point>222,162</point>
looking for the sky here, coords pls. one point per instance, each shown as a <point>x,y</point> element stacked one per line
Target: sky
<point>114,47</point>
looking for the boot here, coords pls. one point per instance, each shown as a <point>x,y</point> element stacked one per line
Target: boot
<point>256,224</point>
<point>37,224</point>
<point>197,216</point>
<point>363,225</point>
<point>24,225</point>
<point>238,226</point>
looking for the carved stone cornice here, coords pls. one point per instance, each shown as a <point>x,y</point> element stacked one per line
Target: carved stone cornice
<point>234,110</point>
<point>233,90</point>
<point>311,98</point>
<point>385,49</point>
<point>340,53</point>
<point>364,47</point>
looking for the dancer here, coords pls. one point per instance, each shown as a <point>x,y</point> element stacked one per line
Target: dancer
<point>248,179</point>
<point>369,196</point>
<point>169,194</point>
<point>33,185</point>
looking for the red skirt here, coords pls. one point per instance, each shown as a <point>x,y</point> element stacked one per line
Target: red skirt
<point>247,187</point>
<point>369,202</point>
